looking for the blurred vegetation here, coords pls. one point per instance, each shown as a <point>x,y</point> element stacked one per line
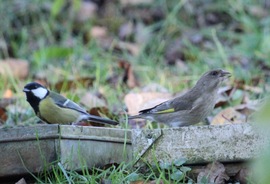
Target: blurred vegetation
<point>171,43</point>
<point>209,34</point>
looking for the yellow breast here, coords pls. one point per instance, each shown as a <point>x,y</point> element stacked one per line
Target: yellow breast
<point>54,114</point>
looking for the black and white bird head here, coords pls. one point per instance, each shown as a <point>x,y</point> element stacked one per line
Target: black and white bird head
<point>35,92</point>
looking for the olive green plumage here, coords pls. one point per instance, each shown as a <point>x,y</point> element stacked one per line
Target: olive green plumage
<point>191,107</point>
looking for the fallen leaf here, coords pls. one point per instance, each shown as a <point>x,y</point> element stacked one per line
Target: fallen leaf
<point>133,48</point>
<point>254,89</point>
<point>65,85</point>
<point>258,11</point>
<point>138,101</point>
<point>110,43</point>
<point>147,15</point>
<point>8,94</point>
<point>228,116</point>
<point>90,100</point>
<point>253,86</point>
<point>98,32</point>
<point>126,30</point>
<point>142,33</point>
<point>129,75</point>
<point>3,115</point>
<point>224,94</point>
<point>213,173</point>
<point>114,80</point>
<point>248,108</point>
<point>97,111</point>
<point>21,181</point>
<point>87,11</point>
<point>242,175</point>
<point>174,52</point>
<point>100,111</point>
<point>16,68</point>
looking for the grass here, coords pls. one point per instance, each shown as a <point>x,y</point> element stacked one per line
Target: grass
<point>122,173</point>
<point>55,44</point>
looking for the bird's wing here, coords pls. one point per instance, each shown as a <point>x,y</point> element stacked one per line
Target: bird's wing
<point>176,104</point>
<point>66,103</point>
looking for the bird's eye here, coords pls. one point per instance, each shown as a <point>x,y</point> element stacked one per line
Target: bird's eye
<point>214,73</point>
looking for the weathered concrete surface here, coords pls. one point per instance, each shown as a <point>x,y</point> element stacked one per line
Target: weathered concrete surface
<point>200,144</point>
<point>75,146</point>
<point>27,148</point>
<point>94,146</point>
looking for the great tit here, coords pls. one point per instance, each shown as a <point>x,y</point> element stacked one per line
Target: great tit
<point>53,108</point>
<point>191,107</point>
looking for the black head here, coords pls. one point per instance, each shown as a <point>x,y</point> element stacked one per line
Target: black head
<point>35,92</point>
<point>212,79</point>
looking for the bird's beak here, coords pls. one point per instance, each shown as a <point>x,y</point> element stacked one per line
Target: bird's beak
<point>225,73</point>
<point>25,90</point>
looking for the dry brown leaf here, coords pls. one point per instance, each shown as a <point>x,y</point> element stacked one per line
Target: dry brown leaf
<point>248,106</point>
<point>8,94</point>
<point>88,10</point>
<point>98,32</point>
<point>129,75</point>
<point>253,87</point>
<point>3,114</point>
<point>138,101</point>
<point>175,52</point>
<point>214,173</point>
<point>242,175</point>
<point>96,111</point>
<point>224,94</point>
<point>133,48</point>
<point>126,30</point>
<point>16,68</point>
<point>258,11</point>
<point>228,116</point>
<point>247,109</point>
<point>119,46</point>
<point>90,100</point>
<point>65,85</point>
<point>100,111</point>
<point>142,33</point>
<point>146,15</point>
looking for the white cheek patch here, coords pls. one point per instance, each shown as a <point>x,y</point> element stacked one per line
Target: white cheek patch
<point>40,92</point>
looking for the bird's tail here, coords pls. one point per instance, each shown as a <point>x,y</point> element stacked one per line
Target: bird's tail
<point>97,119</point>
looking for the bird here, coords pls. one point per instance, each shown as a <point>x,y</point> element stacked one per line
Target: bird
<point>190,108</point>
<point>54,108</point>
